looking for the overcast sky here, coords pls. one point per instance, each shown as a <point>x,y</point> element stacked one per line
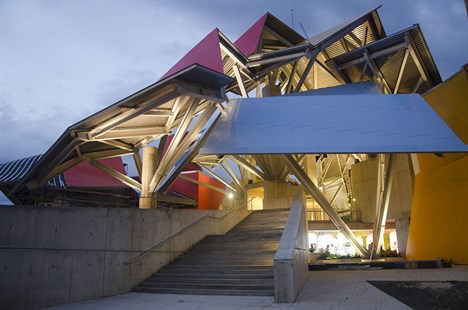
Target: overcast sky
<point>61,61</point>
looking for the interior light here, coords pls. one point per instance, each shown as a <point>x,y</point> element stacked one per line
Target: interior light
<point>230,195</point>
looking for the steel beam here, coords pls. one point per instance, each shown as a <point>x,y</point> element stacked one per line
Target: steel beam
<point>217,189</point>
<point>132,113</point>
<point>119,176</point>
<point>240,82</point>
<point>217,177</point>
<point>322,201</point>
<point>118,144</point>
<point>137,160</point>
<point>305,73</point>
<point>191,153</point>
<point>291,75</point>
<point>417,60</point>
<point>376,71</point>
<point>267,61</point>
<point>246,165</point>
<point>170,159</point>
<point>374,55</point>
<point>384,190</point>
<point>402,69</point>
<point>122,133</point>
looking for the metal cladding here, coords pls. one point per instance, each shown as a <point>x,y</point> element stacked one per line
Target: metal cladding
<point>331,124</point>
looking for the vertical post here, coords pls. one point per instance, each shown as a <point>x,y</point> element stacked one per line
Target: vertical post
<point>150,158</point>
<point>384,190</point>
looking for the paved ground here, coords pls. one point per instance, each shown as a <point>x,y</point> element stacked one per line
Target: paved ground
<point>341,289</point>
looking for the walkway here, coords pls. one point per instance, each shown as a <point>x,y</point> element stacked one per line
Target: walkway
<point>341,289</point>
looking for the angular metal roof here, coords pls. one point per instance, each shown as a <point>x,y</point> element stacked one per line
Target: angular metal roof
<point>398,61</point>
<point>13,172</point>
<point>371,16</point>
<point>132,122</point>
<point>367,123</point>
<point>206,53</point>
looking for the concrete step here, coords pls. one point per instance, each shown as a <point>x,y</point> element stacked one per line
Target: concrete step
<point>253,243</point>
<point>222,286</point>
<point>215,250</point>
<point>245,237</point>
<point>188,275</point>
<point>228,252</point>
<point>259,226</point>
<point>203,291</point>
<point>265,282</point>
<point>223,271</point>
<point>219,267</point>
<point>208,262</point>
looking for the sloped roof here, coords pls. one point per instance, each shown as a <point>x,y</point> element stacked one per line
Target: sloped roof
<point>82,175</point>
<point>206,53</point>
<point>355,123</point>
<point>370,15</point>
<point>248,42</point>
<point>388,55</point>
<point>85,175</point>
<point>119,128</point>
<point>12,172</point>
<point>284,36</point>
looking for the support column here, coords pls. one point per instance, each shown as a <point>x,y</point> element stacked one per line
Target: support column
<point>150,158</point>
<point>402,231</point>
<point>384,190</point>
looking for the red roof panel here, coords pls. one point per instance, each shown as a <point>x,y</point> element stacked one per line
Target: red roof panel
<point>206,53</point>
<point>248,42</point>
<point>85,175</point>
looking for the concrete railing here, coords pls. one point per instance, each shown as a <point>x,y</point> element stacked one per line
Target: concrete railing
<point>291,262</point>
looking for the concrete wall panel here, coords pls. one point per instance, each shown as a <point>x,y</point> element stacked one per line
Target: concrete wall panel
<point>119,229</point>
<point>52,256</point>
<point>81,228</point>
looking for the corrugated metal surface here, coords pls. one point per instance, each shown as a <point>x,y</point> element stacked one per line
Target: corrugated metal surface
<point>368,87</point>
<point>12,172</point>
<point>284,30</point>
<point>390,63</point>
<point>421,46</point>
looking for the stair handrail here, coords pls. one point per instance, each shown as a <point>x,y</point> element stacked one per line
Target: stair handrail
<point>137,258</point>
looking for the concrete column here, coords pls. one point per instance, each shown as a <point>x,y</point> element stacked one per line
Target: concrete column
<point>402,231</point>
<point>149,165</point>
<point>278,195</point>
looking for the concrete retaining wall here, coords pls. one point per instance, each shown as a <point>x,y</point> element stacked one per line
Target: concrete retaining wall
<point>51,256</point>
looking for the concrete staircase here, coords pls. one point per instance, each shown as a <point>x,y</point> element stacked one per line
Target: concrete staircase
<point>237,263</point>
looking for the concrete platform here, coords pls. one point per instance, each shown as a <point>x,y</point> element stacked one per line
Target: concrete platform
<point>329,289</point>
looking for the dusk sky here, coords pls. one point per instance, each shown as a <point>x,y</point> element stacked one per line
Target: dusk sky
<point>61,61</point>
